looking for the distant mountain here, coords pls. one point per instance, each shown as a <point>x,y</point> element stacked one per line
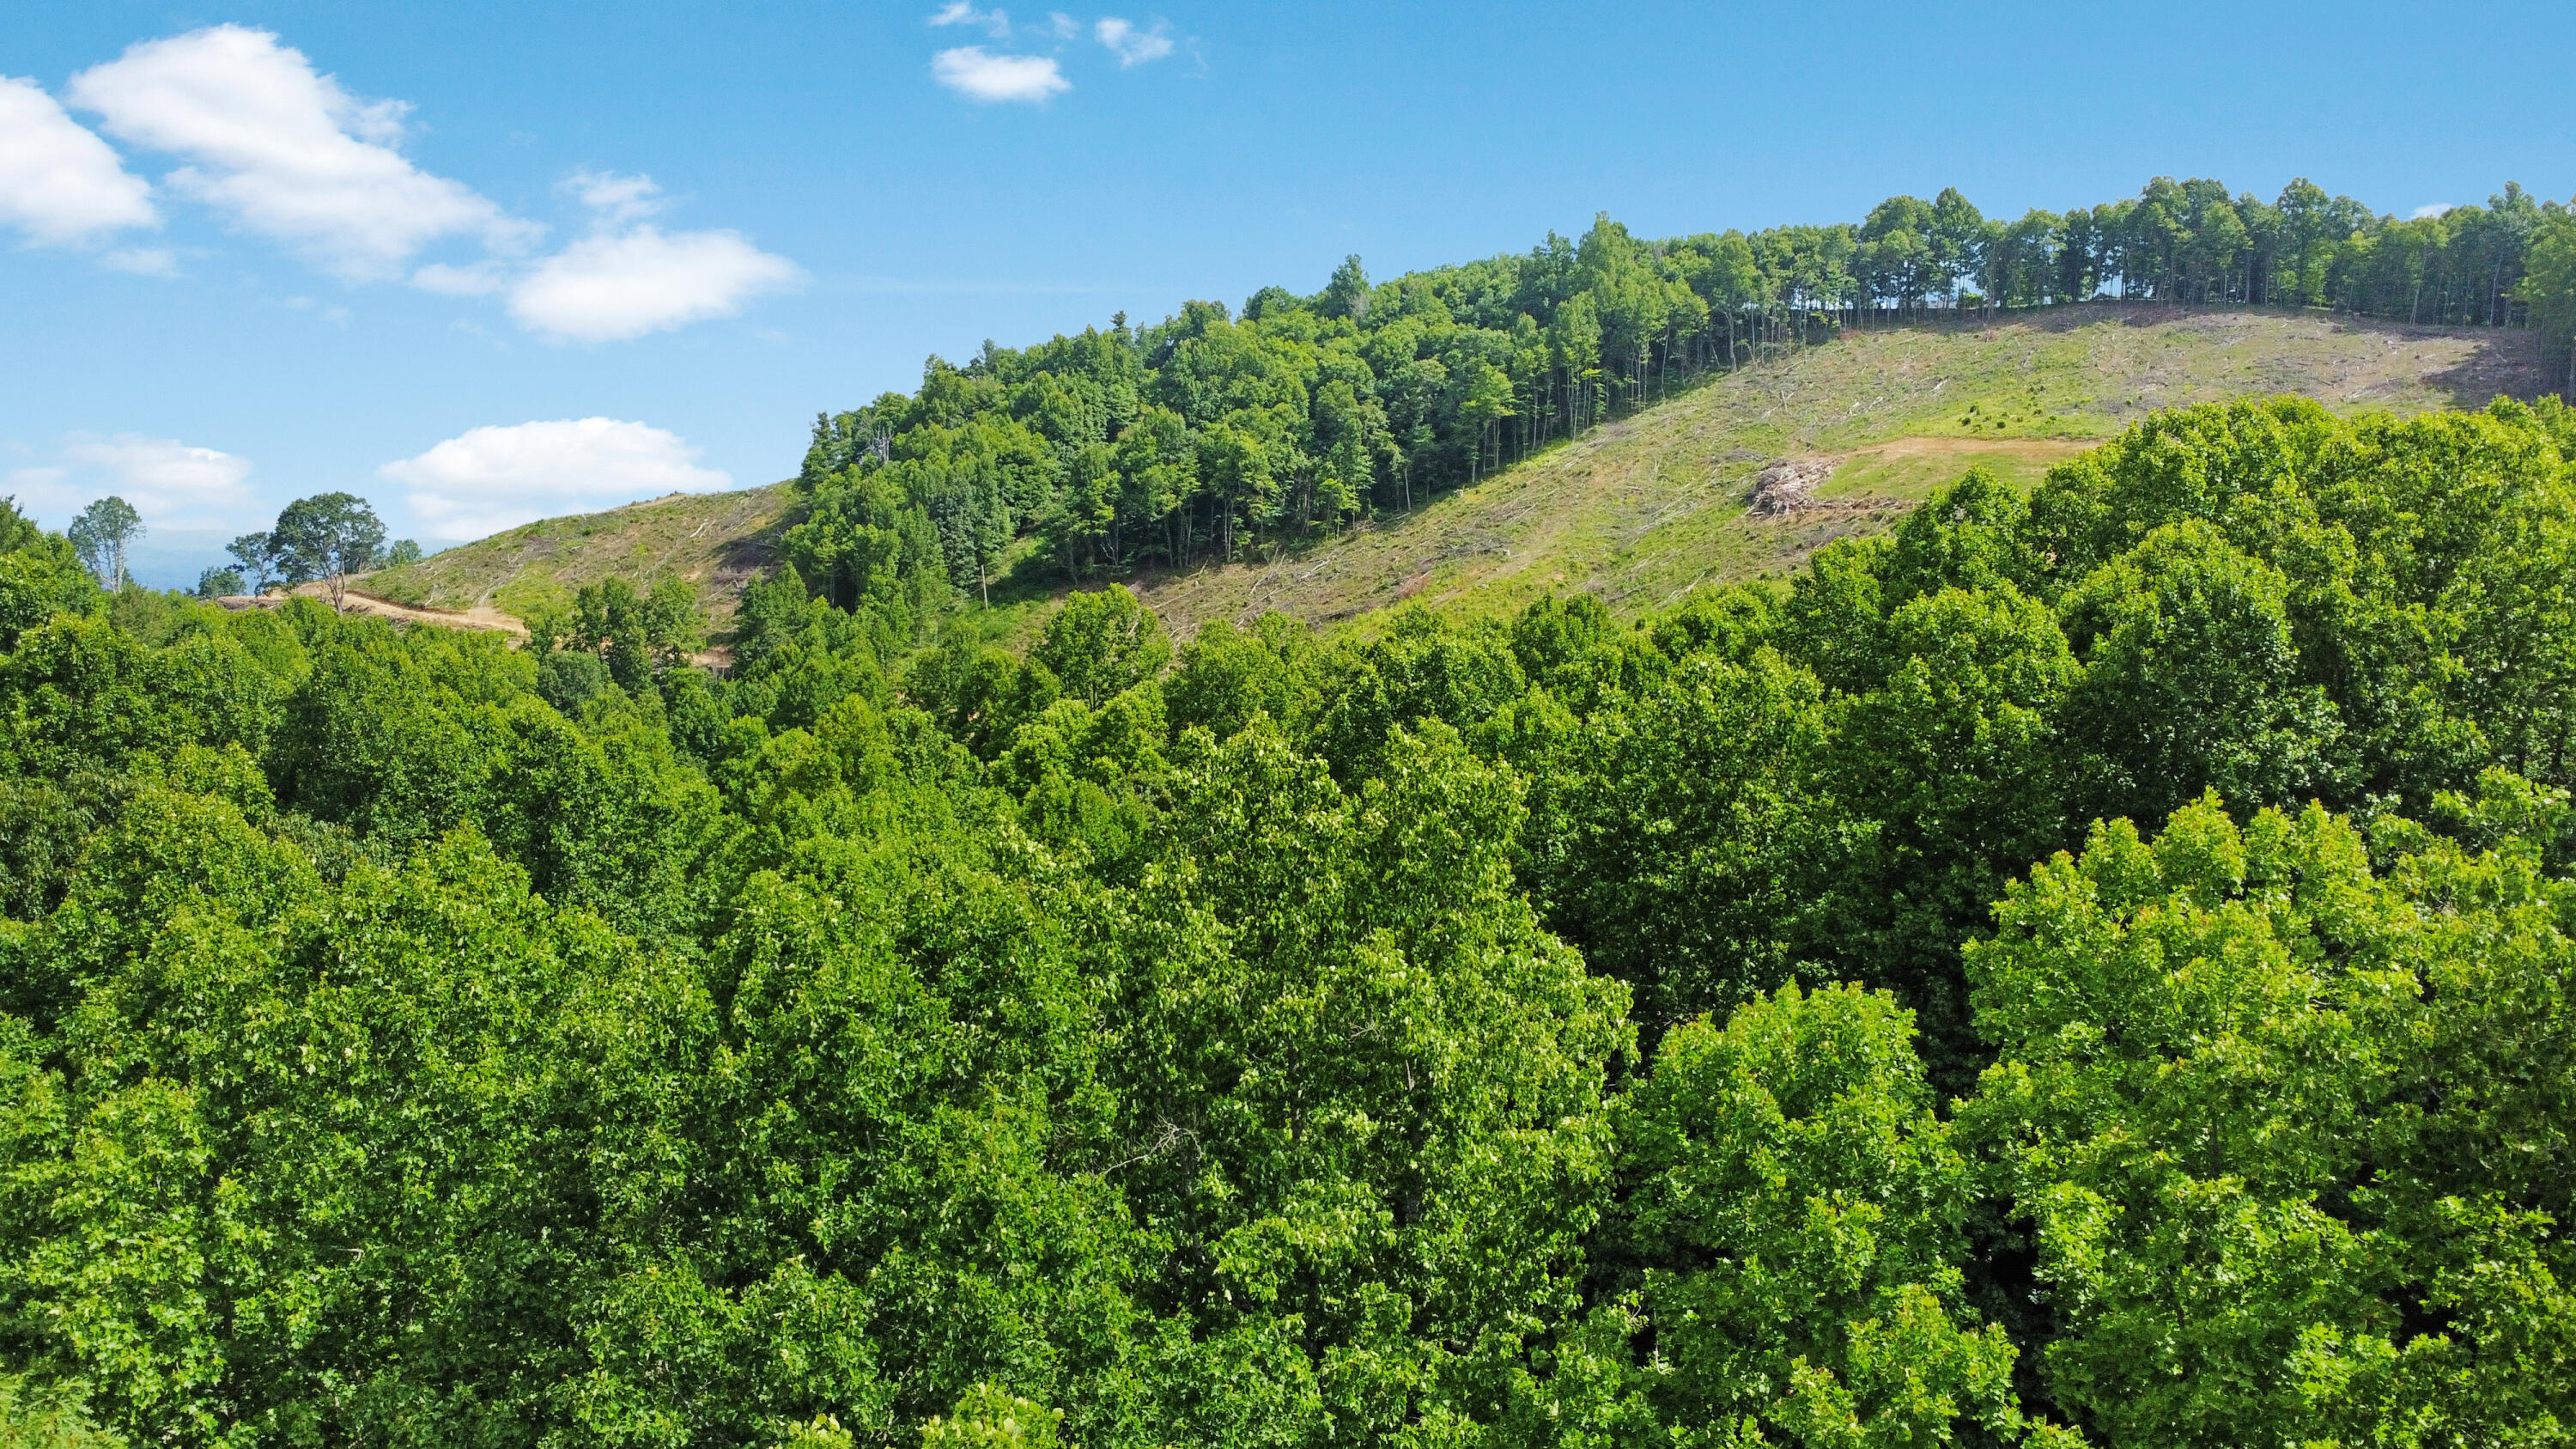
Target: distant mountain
<point>172,558</point>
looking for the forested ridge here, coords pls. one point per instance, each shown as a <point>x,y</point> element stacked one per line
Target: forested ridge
<point>1219,435</point>
<point>2090,965</point>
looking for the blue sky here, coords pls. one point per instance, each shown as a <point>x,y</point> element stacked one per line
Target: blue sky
<point>484,262</point>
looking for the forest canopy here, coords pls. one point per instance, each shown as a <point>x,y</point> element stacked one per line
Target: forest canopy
<point>2090,966</point>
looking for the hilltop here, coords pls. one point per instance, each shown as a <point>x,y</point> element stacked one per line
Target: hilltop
<point>717,541</point>
<point>1641,510</point>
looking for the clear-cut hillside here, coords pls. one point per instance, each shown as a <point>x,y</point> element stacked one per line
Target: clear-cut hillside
<point>1644,509</point>
<point>717,541</point>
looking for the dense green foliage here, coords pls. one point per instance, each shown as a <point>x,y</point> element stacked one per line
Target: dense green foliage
<point>2089,967</point>
<point>1214,434</point>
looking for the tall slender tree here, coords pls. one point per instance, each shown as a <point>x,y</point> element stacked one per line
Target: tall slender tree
<point>101,533</point>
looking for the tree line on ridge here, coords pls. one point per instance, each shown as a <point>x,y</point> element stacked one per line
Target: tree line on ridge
<point>1219,433</point>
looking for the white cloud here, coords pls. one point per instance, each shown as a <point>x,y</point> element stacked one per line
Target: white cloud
<point>996,23</point>
<point>170,483</point>
<point>494,478</point>
<point>287,151</point>
<point>58,183</point>
<point>1064,26</point>
<point>610,287</point>
<point>1130,45</point>
<point>2436,209</point>
<point>622,280</point>
<point>142,261</point>
<point>616,198</point>
<point>977,76</point>
<point>291,154</point>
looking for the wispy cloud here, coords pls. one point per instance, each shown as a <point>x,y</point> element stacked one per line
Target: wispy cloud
<point>614,197</point>
<point>978,76</point>
<point>993,77</point>
<point>996,23</point>
<point>478,279</point>
<point>2434,209</point>
<point>142,261</point>
<point>1131,46</point>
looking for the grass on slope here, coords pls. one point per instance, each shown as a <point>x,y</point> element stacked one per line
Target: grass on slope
<point>717,541</point>
<point>1643,510</point>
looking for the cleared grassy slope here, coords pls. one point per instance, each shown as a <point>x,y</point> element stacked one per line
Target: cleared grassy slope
<point>1641,511</point>
<point>1645,509</point>
<point>717,541</point>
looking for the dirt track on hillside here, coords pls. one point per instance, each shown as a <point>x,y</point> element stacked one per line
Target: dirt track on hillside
<point>354,602</point>
<point>480,617</point>
<point>716,657</point>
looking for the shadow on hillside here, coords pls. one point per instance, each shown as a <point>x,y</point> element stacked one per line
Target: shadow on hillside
<point>2509,365</point>
<point>746,558</point>
<point>2507,361</point>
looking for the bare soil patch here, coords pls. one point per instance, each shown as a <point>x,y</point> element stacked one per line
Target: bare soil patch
<point>353,601</point>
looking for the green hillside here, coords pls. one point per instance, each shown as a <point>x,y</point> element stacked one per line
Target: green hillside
<point>717,541</point>
<point>1641,510</point>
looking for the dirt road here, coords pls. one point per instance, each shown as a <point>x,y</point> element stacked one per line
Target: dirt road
<point>354,602</point>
